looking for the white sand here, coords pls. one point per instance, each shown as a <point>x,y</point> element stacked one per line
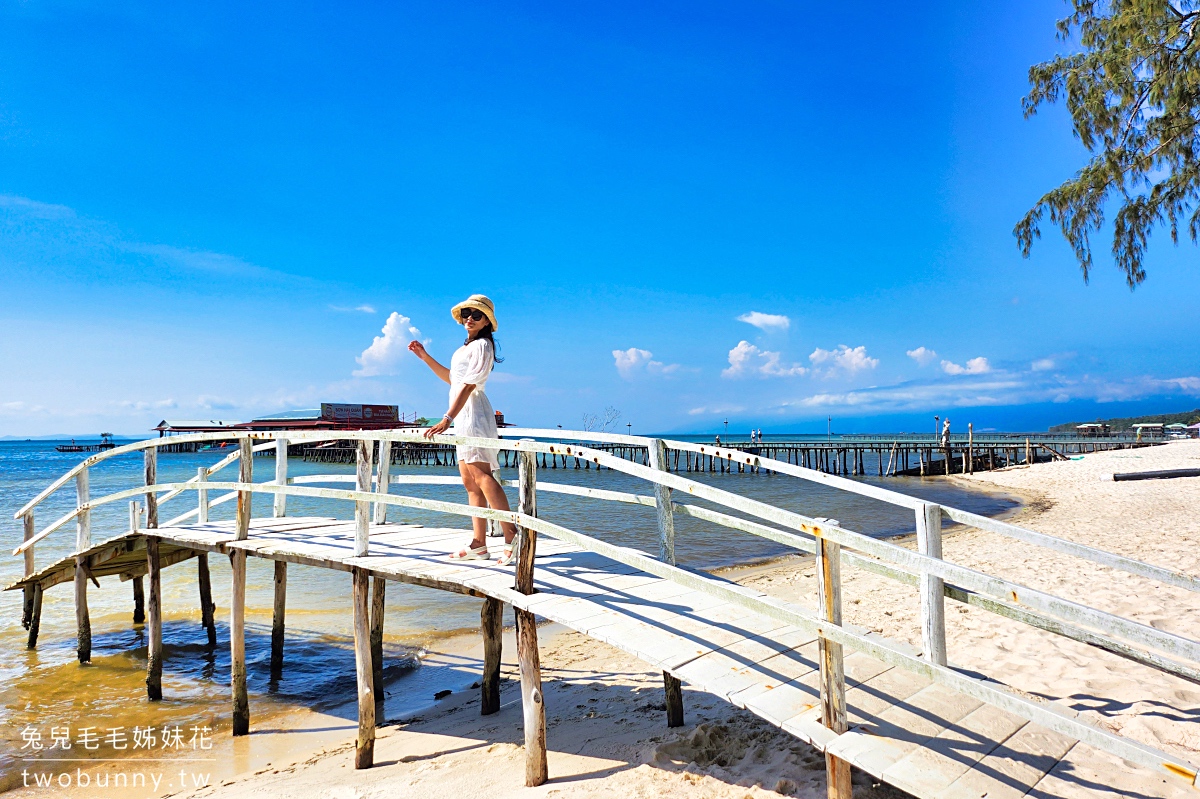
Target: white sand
<point>607,732</point>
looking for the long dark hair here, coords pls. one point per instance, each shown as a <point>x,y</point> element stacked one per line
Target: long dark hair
<point>486,332</point>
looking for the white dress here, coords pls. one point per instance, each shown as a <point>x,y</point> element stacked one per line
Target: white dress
<point>472,363</point>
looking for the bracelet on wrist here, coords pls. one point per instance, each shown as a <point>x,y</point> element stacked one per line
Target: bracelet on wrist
<point>447,417</point>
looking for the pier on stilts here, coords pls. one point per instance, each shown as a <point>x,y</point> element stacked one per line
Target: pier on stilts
<point>852,455</point>
<point>907,716</point>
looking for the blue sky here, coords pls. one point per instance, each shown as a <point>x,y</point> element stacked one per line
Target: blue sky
<point>770,212</point>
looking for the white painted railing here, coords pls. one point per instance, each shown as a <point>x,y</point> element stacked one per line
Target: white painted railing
<point>832,544</point>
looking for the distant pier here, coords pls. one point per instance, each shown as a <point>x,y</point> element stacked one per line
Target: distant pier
<point>879,455</point>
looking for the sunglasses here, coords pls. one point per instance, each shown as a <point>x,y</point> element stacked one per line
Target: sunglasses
<point>473,315</point>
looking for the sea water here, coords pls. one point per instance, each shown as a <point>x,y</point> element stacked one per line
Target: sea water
<point>45,690</point>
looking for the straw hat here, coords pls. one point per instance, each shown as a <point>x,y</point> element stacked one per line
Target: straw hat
<point>479,302</point>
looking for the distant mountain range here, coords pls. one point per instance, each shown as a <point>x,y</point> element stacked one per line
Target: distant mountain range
<point>1117,425</point>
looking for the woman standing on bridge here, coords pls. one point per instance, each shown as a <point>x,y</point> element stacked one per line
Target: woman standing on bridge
<point>472,415</point>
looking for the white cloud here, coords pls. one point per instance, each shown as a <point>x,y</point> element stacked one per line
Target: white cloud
<point>747,359</point>
<point>359,308</point>
<point>975,366</point>
<point>211,403</point>
<point>633,360</point>
<point>922,355</point>
<point>1042,365</point>
<point>847,359</point>
<point>36,209</point>
<point>142,405</point>
<point>385,352</point>
<point>766,321</point>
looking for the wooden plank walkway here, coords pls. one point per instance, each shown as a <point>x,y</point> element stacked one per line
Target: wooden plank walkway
<point>914,734</point>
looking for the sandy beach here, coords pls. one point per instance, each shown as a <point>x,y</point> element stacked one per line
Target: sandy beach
<point>607,733</point>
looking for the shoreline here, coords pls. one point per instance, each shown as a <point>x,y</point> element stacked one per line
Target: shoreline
<point>607,736</point>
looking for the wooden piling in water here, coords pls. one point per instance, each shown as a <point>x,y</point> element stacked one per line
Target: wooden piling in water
<point>378,597</point>
<point>207,608</point>
<point>237,603</point>
<point>83,540</point>
<point>278,614</point>
<point>154,649</point>
<point>139,601</point>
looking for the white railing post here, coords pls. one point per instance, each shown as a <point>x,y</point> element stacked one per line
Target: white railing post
<point>150,462</point>
<point>281,475</point>
<point>383,476</point>
<point>202,496</point>
<point>662,502</point>
<point>245,499</point>
<point>933,589</point>
<point>832,668</point>
<point>362,510</point>
<point>83,522</point>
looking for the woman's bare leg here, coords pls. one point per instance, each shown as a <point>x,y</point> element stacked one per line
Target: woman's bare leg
<point>494,492</point>
<point>476,498</point>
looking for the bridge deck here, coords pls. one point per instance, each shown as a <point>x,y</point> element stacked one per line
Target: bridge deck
<point>918,736</point>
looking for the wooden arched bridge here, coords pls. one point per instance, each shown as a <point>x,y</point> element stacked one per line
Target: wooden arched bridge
<point>908,717</point>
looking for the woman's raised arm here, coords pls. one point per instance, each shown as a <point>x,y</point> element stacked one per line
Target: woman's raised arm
<point>418,349</point>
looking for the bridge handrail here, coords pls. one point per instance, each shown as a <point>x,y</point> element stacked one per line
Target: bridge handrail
<point>1045,715</point>
<point>1099,556</point>
<point>908,560</point>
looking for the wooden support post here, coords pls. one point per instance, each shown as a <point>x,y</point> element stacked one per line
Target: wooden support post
<point>491,623</point>
<point>833,676</point>
<point>281,475</point>
<point>207,608</point>
<point>674,693</point>
<point>154,647</point>
<point>362,510</point>
<point>237,644</point>
<point>1028,459</point>
<point>383,476</point>
<point>364,746</point>
<point>277,619</point>
<point>933,599</point>
<point>666,553</point>
<point>83,540</point>
<point>27,606</point>
<point>139,596</point>
<point>532,701</point>
<point>237,602</point>
<point>35,617</point>
<point>378,597</point>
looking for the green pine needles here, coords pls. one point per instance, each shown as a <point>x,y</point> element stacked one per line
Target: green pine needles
<point>1134,98</point>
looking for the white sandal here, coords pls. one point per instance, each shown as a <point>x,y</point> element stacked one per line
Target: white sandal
<point>507,555</point>
<point>471,553</point>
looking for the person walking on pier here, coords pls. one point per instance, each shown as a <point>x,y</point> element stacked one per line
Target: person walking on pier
<point>471,414</point>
